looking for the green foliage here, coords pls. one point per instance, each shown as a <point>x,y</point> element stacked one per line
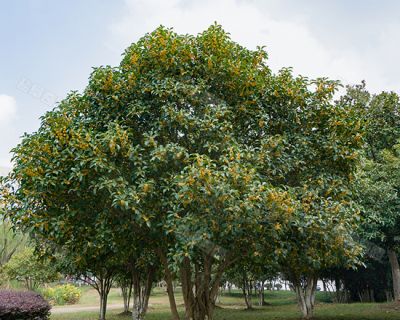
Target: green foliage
<point>24,266</point>
<point>378,183</point>
<point>378,187</point>
<point>195,149</point>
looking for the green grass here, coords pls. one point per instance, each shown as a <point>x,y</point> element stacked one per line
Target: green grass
<point>231,307</point>
<point>90,297</point>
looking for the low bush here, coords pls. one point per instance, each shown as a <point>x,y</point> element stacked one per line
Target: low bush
<point>23,305</point>
<point>63,294</point>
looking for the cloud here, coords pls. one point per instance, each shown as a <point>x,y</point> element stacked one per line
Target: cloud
<point>309,40</point>
<point>8,108</point>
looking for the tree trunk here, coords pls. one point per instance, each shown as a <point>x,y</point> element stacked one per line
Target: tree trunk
<point>130,294</point>
<point>247,299</point>
<point>141,293</point>
<point>103,305</point>
<point>103,285</point>
<point>306,295</point>
<point>337,291</point>
<point>169,284</point>
<point>126,290</point>
<point>200,286</point>
<point>389,297</point>
<point>246,291</point>
<point>394,264</point>
<point>187,289</point>
<point>261,301</point>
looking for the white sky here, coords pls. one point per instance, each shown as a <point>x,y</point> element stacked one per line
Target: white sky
<point>48,47</point>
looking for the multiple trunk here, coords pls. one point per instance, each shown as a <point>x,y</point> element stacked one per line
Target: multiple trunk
<point>305,291</point>
<point>261,294</point>
<point>30,283</point>
<point>141,293</point>
<point>247,291</point>
<point>366,295</point>
<point>200,286</point>
<point>394,264</point>
<point>103,285</point>
<point>126,289</point>
<point>102,282</point>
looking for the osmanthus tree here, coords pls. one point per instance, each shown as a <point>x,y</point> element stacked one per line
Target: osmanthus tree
<point>59,192</point>
<point>318,236</point>
<point>217,221</point>
<point>190,146</point>
<point>377,184</point>
<point>49,194</point>
<point>110,162</point>
<point>308,149</point>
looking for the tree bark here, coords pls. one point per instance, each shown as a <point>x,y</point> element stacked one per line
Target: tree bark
<point>170,287</point>
<point>141,293</point>
<point>126,290</point>
<point>187,289</point>
<point>306,295</point>
<point>337,291</point>
<point>102,284</point>
<point>130,294</point>
<point>261,293</point>
<point>103,306</point>
<point>200,285</point>
<point>394,264</point>
<point>246,291</point>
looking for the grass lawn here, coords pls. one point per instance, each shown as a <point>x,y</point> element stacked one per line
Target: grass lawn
<point>231,307</point>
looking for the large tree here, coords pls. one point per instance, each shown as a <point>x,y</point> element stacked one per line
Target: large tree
<point>309,149</point>
<point>377,184</point>
<point>193,147</point>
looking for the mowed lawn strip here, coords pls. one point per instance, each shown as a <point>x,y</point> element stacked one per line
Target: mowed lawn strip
<point>282,306</point>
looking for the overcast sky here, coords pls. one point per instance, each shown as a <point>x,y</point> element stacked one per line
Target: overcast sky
<point>49,47</point>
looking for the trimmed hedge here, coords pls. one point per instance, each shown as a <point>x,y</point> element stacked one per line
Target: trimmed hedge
<point>23,305</point>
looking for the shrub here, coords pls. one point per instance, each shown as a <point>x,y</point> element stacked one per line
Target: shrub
<point>23,305</point>
<point>65,294</point>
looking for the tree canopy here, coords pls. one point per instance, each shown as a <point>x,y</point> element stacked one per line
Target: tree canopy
<point>195,149</point>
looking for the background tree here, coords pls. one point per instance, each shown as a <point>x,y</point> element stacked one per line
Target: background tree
<point>309,151</point>
<point>10,242</point>
<point>377,182</point>
<point>251,275</point>
<point>24,266</point>
<point>379,187</point>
